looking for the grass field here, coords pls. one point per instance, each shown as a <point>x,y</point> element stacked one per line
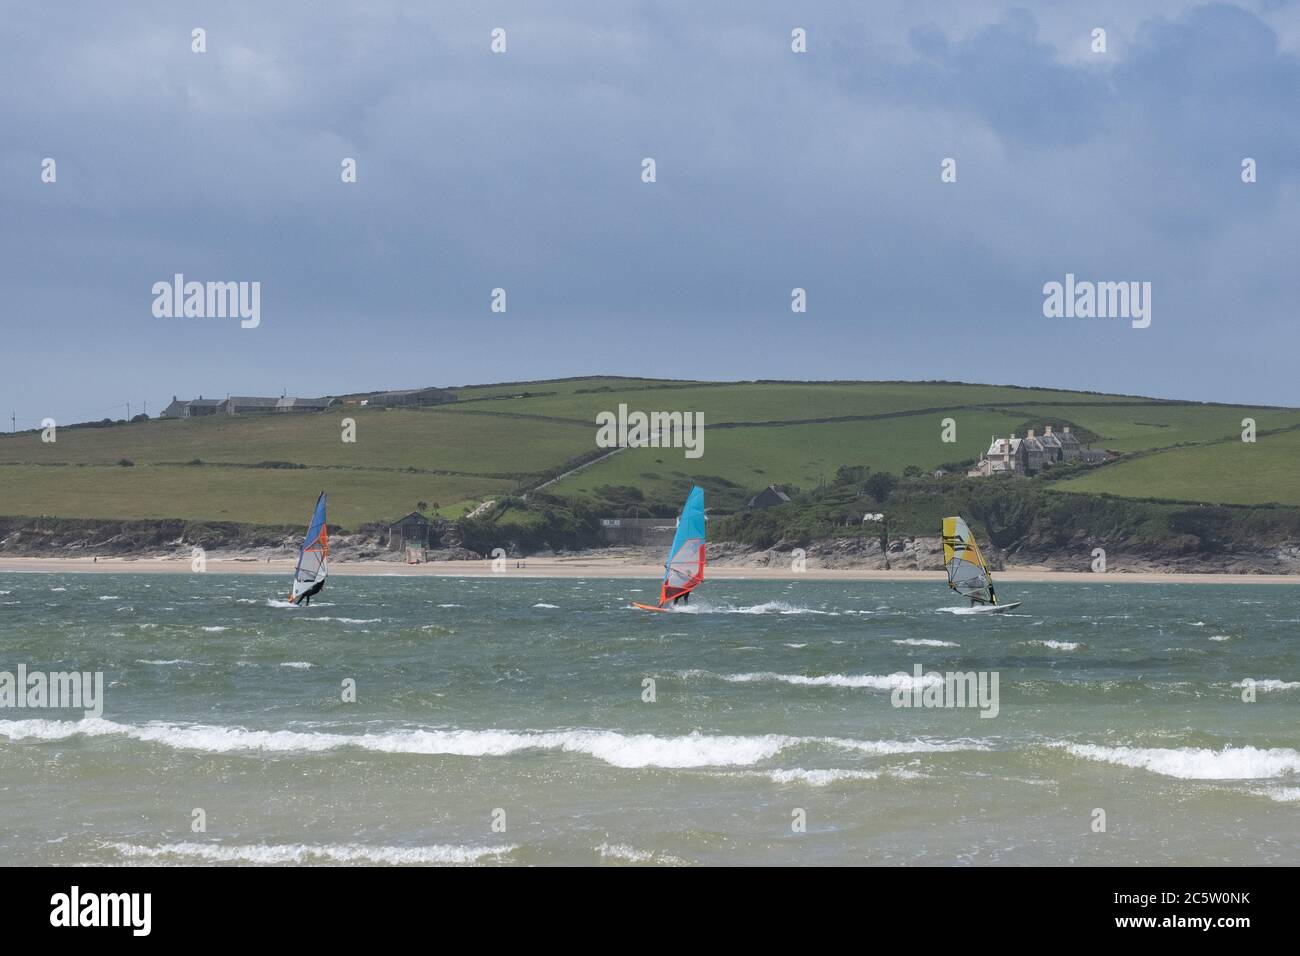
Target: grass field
<point>552,387</point>
<point>1230,472</point>
<point>246,495</point>
<point>762,402</point>
<point>1134,428</point>
<point>428,439</point>
<point>802,455</point>
<point>492,443</point>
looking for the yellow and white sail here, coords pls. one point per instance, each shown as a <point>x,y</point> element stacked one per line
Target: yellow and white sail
<point>968,574</point>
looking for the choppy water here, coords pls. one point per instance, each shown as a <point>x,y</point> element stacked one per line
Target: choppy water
<point>525,696</point>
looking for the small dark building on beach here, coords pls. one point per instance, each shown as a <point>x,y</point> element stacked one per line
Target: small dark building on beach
<point>411,531</point>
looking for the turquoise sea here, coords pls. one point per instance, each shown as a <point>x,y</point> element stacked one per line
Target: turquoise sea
<point>504,721</point>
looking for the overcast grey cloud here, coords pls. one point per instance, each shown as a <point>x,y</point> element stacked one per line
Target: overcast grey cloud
<point>522,170</point>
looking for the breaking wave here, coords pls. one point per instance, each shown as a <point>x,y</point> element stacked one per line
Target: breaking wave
<point>854,681</point>
<point>299,853</point>
<point>631,751</point>
<point>1196,763</point>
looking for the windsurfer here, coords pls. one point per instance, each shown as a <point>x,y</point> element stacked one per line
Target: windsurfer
<point>305,600</point>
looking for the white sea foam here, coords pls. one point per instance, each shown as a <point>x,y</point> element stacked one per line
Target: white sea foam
<point>631,751</point>
<point>926,642</point>
<point>629,854</point>
<point>853,681</point>
<point>301,665</point>
<point>552,606</point>
<point>1057,645</point>
<point>776,607</point>
<point>264,853</point>
<point>1197,763</point>
<point>797,646</point>
<point>768,607</point>
<point>166,663</point>
<point>820,778</point>
<point>886,748</point>
<point>110,597</point>
<point>1221,637</point>
<point>1271,684</point>
<point>53,590</point>
<point>216,629</point>
<point>342,620</point>
<point>450,605</point>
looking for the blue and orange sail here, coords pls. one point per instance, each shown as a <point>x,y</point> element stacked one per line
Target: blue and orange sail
<point>684,569</point>
<point>309,576</point>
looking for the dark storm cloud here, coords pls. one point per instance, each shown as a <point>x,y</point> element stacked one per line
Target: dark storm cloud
<point>522,171</point>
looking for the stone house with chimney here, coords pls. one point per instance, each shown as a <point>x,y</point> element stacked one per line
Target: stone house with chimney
<point>1051,446</point>
<point>1070,446</point>
<point>190,407</point>
<point>1032,454</point>
<point>1035,453</point>
<point>1006,456</point>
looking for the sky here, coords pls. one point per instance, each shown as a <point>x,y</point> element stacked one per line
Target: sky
<point>523,170</point>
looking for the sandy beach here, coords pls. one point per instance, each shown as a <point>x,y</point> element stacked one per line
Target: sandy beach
<point>592,567</point>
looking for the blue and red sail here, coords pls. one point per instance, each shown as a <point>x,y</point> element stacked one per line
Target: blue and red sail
<point>684,569</point>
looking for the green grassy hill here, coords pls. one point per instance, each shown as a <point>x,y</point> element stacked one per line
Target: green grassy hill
<point>498,440</point>
<point>1227,472</point>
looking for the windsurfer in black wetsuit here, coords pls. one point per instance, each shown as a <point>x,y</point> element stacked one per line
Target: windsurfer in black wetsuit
<point>305,600</point>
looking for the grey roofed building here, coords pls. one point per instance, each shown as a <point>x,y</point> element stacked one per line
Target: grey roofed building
<point>1032,454</point>
<point>1070,445</point>
<point>202,406</point>
<point>410,396</point>
<point>769,497</point>
<point>289,405</point>
<point>1006,456</point>
<point>190,408</point>
<point>1035,454</point>
<point>1051,444</point>
<point>241,405</point>
<point>246,405</point>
